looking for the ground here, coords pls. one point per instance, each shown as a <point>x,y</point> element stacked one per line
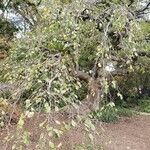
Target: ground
<point>129,133</point>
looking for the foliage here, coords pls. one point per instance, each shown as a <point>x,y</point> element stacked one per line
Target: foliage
<point>33,62</point>
<point>7,30</point>
<point>111,113</point>
<point>124,112</point>
<point>108,113</point>
<point>3,111</point>
<point>144,105</point>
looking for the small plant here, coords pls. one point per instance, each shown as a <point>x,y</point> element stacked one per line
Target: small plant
<point>108,113</point>
<point>124,112</point>
<point>144,106</point>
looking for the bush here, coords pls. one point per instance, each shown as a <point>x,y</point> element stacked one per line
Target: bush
<point>108,113</point>
<point>124,112</point>
<point>144,106</point>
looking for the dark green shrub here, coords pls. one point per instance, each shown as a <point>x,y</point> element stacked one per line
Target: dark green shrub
<point>144,106</point>
<point>108,113</point>
<point>124,112</point>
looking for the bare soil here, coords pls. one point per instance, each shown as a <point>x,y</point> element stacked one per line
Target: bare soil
<point>128,134</point>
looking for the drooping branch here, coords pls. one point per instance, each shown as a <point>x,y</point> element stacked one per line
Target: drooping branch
<point>133,58</point>
<point>118,59</point>
<point>5,87</point>
<point>119,72</point>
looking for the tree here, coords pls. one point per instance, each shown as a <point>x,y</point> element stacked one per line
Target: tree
<point>71,46</point>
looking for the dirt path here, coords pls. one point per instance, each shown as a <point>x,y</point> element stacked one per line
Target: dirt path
<point>128,134</point>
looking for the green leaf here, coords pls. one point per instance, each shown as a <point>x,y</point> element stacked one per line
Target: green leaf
<point>51,144</point>
<point>21,121</point>
<point>73,123</point>
<point>91,137</point>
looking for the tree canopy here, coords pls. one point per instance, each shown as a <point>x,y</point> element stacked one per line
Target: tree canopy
<point>72,46</point>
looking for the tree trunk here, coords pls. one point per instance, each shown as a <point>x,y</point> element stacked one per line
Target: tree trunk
<point>89,104</point>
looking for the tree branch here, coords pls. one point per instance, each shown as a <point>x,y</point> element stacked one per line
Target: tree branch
<point>82,75</point>
<point>143,53</point>
<point>119,72</point>
<point>142,10</point>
